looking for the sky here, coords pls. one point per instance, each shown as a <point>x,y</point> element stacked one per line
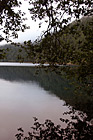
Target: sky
<point>29,34</point>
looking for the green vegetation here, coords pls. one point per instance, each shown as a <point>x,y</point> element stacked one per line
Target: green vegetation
<point>62,43</point>
<point>73,44</point>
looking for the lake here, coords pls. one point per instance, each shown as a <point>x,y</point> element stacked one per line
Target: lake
<point>27,92</point>
<point>24,95</point>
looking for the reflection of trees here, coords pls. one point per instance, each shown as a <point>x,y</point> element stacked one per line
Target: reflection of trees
<point>66,83</point>
<point>48,79</point>
<point>83,87</point>
<point>64,86</point>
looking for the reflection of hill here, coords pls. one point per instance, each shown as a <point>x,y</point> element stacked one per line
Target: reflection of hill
<point>50,81</point>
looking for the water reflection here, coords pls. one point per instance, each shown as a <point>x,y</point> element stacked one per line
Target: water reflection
<point>22,98</point>
<point>50,81</point>
<point>25,94</point>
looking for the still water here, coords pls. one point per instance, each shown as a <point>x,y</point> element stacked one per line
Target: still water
<point>25,94</point>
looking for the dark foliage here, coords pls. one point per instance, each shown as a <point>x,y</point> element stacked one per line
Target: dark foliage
<point>77,129</point>
<point>11,21</point>
<point>54,11</point>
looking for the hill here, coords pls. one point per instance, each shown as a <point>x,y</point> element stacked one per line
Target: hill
<point>72,44</point>
<point>13,53</point>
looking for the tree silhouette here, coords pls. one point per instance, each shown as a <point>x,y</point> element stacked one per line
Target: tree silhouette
<point>59,12</point>
<point>11,21</point>
<point>56,12</point>
<point>76,129</point>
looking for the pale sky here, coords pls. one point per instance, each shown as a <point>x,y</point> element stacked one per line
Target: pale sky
<point>33,32</point>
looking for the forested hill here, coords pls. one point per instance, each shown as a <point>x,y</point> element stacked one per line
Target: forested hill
<point>71,44</point>
<point>13,53</point>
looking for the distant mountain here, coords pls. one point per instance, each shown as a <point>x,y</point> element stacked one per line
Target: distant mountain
<point>14,53</point>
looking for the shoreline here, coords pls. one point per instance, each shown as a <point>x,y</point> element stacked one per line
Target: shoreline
<point>31,64</point>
